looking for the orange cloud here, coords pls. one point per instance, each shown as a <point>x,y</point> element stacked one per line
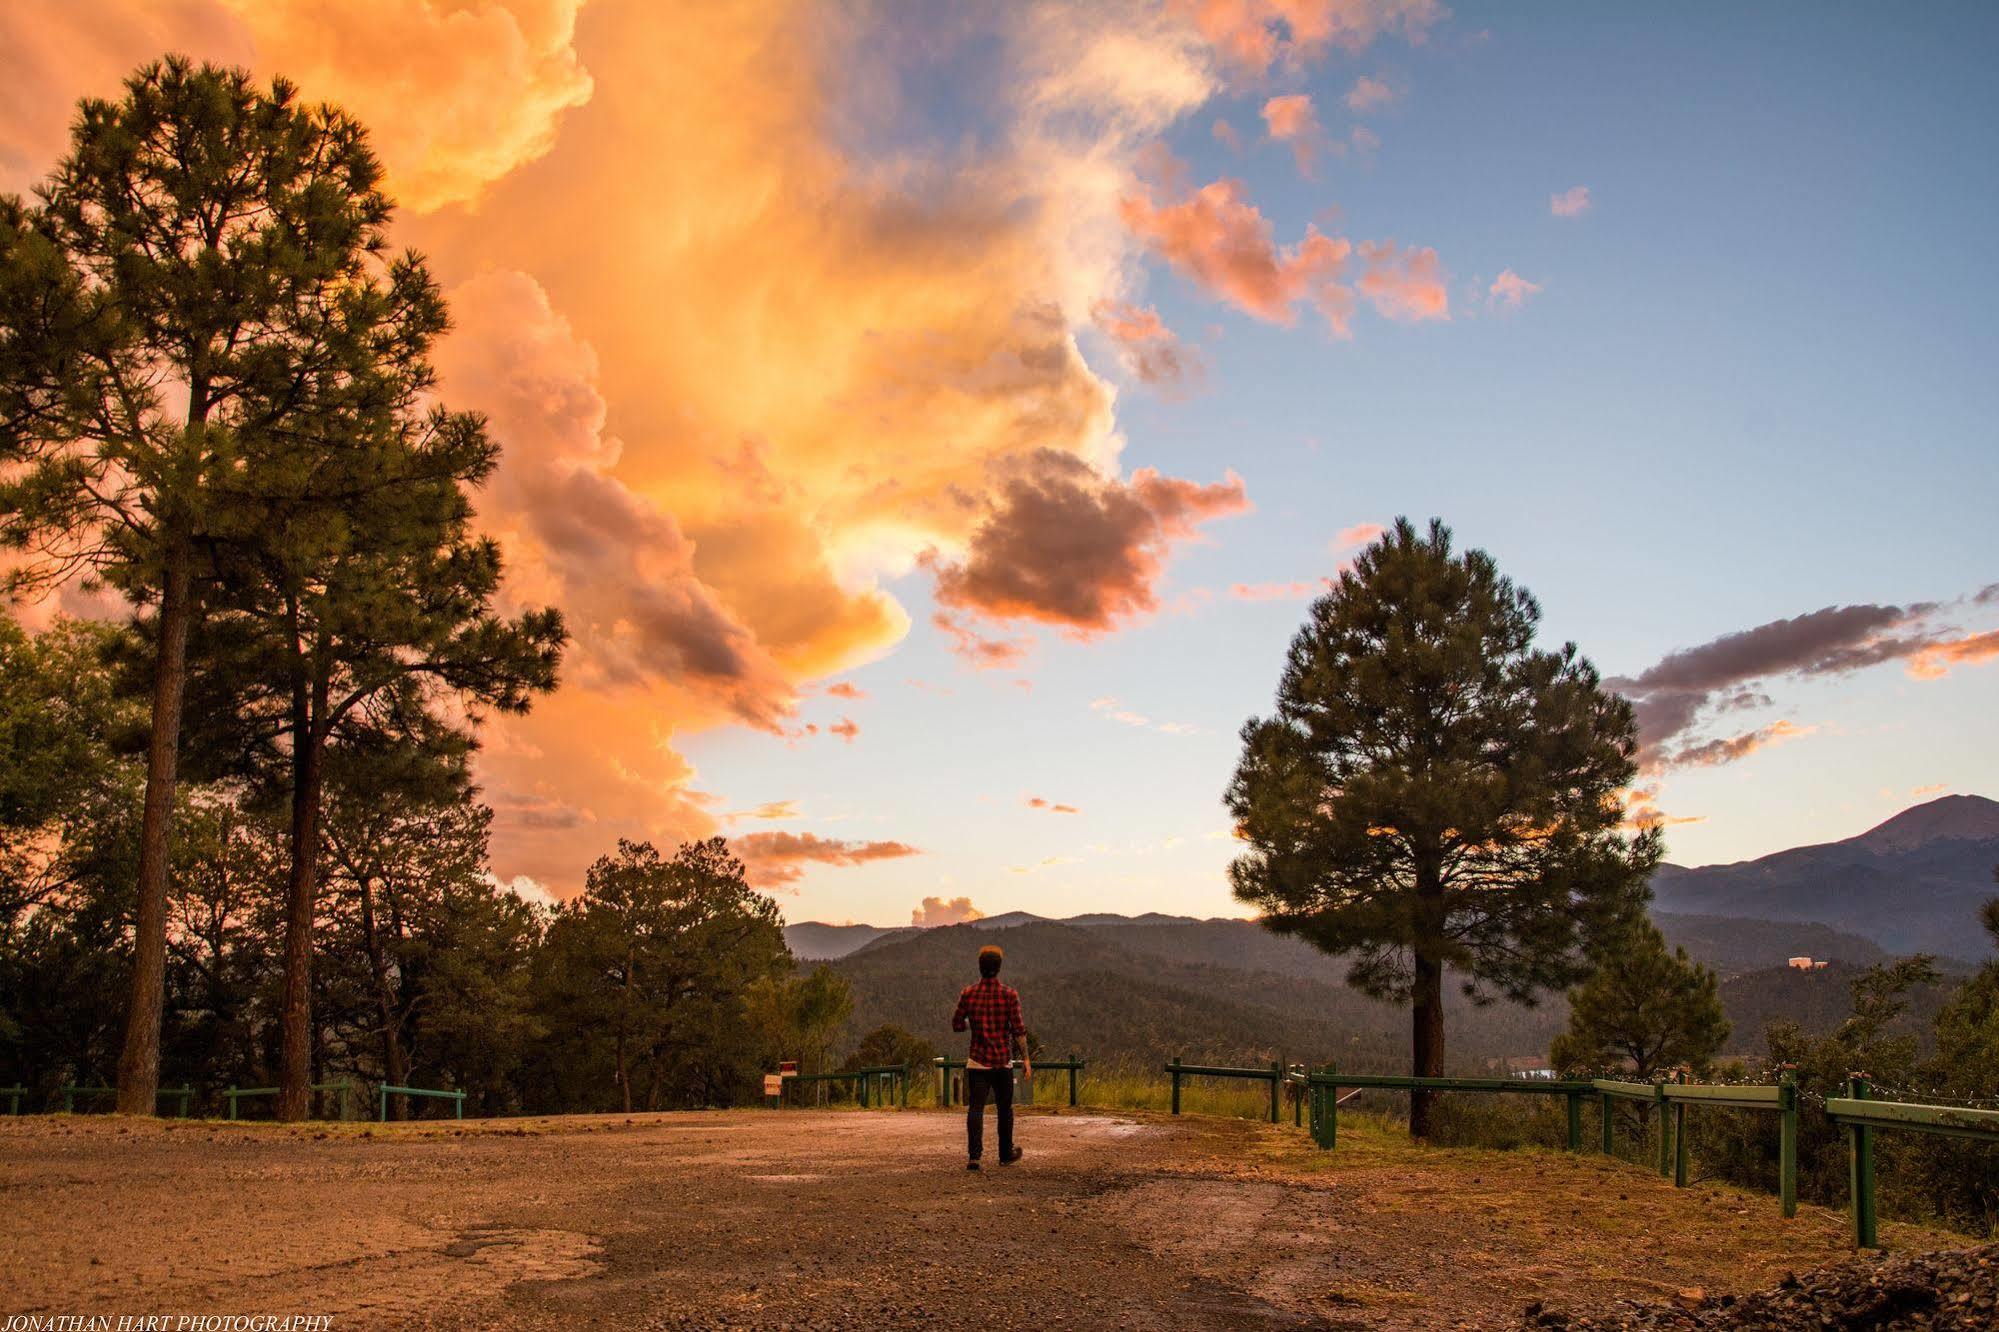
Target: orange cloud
<point>1936,660</point>
<point>1255,36</point>
<point>982,652</point>
<point>1036,802</point>
<point>933,911</point>
<point>1223,241</point>
<point>1572,202</point>
<point>846,689</point>
<point>455,96</point>
<point>1712,753</point>
<point>1275,591</point>
<point>1061,544</point>
<point>1360,534</point>
<point>1368,93</point>
<point>1509,288</point>
<point>1293,120</point>
<point>1151,350</point>
<point>777,859</point>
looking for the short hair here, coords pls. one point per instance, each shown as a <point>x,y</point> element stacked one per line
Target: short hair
<point>990,958</point>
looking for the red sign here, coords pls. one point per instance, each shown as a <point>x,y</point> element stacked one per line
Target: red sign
<point>787,1068</point>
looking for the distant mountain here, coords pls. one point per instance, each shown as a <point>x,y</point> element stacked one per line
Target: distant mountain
<point>1912,884</point>
<point>816,941</point>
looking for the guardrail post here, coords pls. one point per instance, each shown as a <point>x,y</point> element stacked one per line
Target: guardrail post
<point>230,1096</point>
<point>1075,1071</point>
<point>1575,1101</point>
<point>1298,1103</point>
<point>1680,1137</point>
<point>1605,1103</point>
<point>458,1104</point>
<point>1860,1169</point>
<point>14,1099</point>
<point>1331,1091</point>
<point>1665,1132</point>
<point>383,1116</point>
<point>1276,1086</point>
<point>1174,1070</point>
<point>1787,1142</point>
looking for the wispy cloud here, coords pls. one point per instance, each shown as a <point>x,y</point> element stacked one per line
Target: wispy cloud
<point>1117,712</point>
<point>779,859</point>
<point>1367,94</point>
<point>1572,202</point>
<point>1510,289</point>
<point>1053,807</point>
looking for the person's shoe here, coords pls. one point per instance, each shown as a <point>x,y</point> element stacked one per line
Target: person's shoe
<point>1012,1156</point>
<point>972,1164</point>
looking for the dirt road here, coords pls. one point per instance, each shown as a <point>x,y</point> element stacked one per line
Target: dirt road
<point>845,1219</point>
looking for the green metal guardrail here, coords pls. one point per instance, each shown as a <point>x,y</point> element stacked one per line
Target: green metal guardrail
<point>14,1095</point>
<point>1783,1098</point>
<point>69,1095</point>
<point>457,1099</point>
<point>865,1080</point>
<point>946,1065</point>
<point>1276,1075</point>
<point>1651,1093</point>
<point>1860,1115</point>
<point>1324,1087</point>
<point>232,1093</point>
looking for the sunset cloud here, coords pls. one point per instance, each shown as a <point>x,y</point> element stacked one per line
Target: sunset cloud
<point>845,689</point>
<point>1062,545</point>
<point>1150,349</point>
<point>1222,241</point>
<point>935,911</point>
<point>1367,94</point>
<point>1674,696</point>
<point>1226,135</point>
<point>1360,534</point>
<point>1292,119</point>
<point>1118,712</point>
<point>1253,37</point>
<point>1052,807</point>
<point>778,859</point>
<point>1572,202</point>
<point>1509,288</point>
<point>1276,591</point>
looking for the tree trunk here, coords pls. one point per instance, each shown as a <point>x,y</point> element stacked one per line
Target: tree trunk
<point>295,1054</point>
<point>394,1067</point>
<point>139,1063</point>
<point>1427,1052</point>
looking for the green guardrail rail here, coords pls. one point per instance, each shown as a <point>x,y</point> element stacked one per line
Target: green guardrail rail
<point>232,1094</point>
<point>1323,1093</point>
<point>1861,1116</point>
<point>1651,1093</point>
<point>870,1084</point>
<point>1782,1098</point>
<point>946,1065</point>
<point>457,1099</point>
<point>69,1094</point>
<point>1277,1075</point>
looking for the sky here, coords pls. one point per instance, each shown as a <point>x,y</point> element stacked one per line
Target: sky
<point>934,420</point>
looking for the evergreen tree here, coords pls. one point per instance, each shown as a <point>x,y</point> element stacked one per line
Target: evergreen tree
<point>203,277</point>
<point>1434,793</point>
<point>1644,1009</point>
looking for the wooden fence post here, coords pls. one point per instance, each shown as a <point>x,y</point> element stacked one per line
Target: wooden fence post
<point>1860,1169</point>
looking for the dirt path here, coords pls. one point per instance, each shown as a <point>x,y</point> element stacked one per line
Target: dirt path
<point>847,1219</point>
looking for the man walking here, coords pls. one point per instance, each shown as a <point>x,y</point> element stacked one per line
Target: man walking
<point>992,1012</point>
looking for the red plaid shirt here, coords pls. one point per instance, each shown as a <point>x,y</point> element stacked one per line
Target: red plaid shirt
<point>992,1011</point>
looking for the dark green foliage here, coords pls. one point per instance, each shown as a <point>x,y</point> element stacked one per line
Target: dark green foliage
<point>890,1046</point>
<point>1434,793</point>
<point>650,974</point>
<point>1643,1010</point>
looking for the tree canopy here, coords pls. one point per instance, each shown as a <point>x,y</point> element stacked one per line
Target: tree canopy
<point>1435,793</point>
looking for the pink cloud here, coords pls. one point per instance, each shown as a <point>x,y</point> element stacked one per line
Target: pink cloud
<point>1360,534</point>
<point>1572,202</point>
<point>1150,350</point>
<point>934,911</point>
<point>1254,36</point>
<point>1936,660</point>
<point>1276,591</point>
<point>979,651</point>
<point>845,728</point>
<point>846,689</point>
<point>1052,807</point>
<point>1221,240</point>
<point>1368,93</point>
<point>1509,288</point>
<point>1226,135</point>
<point>1292,119</point>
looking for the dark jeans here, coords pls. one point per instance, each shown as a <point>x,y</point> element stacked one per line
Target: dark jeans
<point>979,1084</point>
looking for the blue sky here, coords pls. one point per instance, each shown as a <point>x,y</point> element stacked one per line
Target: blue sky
<point>1756,381</point>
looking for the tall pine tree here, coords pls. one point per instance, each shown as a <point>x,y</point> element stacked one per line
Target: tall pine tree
<point>203,270</point>
<point>1435,793</point>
